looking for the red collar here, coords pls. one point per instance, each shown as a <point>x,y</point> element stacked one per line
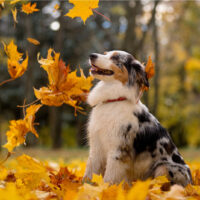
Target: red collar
<point>114,100</point>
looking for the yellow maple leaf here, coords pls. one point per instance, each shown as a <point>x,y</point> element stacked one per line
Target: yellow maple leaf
<point>30,117</point>
<point>64,87</point>
<point>16,67</point>
<point>19,128</point>
<point>139,191</point>
<point>31,171</point>
<point>14,1</point>
<point>14,13</point>
<point>82,8</point>
<point>28,8</point>
<point>11,51</point>
<point>33,41</point>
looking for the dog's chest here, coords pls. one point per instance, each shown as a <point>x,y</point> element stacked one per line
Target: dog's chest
<point>107,122</point>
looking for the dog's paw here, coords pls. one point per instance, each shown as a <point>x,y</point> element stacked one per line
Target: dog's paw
<point>86,179</point>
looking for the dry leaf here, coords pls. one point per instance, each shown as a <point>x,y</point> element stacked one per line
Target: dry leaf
<point>28,8</point>
<point>64,86</point>
<point>33,41</point>
<point>82,8</point>
<point>16,66</point>
<point>149,69</point>
<point>14,13</point>
<point>18,129</point>
<point>30,178</point>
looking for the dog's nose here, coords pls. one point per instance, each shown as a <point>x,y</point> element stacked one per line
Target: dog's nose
<point>93,56</point>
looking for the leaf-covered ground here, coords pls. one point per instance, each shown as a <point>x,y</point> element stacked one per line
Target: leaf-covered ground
<point>24,177</point>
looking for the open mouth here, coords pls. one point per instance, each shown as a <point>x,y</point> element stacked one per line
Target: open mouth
<point>97,70</point>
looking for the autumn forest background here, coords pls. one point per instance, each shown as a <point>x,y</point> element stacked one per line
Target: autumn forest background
<point>168,31</point>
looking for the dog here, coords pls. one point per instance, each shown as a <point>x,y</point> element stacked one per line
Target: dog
<point>126,141</point>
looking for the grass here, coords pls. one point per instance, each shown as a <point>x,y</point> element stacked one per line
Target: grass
<point>189,154</point>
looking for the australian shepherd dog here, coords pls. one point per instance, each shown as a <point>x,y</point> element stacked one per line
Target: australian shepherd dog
<point>126,141</point>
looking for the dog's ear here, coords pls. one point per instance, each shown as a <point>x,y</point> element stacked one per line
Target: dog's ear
<point>136,73</point>
<point>141,75</point>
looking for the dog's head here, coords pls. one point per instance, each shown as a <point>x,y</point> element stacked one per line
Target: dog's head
<point>118,65</point>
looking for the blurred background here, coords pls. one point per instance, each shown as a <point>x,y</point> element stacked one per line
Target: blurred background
<point>168,31</point>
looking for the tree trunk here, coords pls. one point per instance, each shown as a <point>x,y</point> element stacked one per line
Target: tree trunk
<point>157,67</point>
<point>130,40</point>
<point>55,113</point>
<point>31,140</point>
<point>56,126</point>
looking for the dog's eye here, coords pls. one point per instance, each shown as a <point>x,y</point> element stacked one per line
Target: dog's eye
<point>115,57</point>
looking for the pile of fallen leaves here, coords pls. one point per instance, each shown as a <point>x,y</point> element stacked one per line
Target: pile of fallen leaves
<point>29,178</point>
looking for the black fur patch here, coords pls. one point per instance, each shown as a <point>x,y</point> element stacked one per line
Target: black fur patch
<point>131,72</point>
<point>126,131</point>
<point>124,153</point>
<point>161,151</point>
<point>147,137</point>
<point>171,173</point>
<point>168,146</point>
<point>153,155</point>
<point>142,117</point>
<point>176,158</point>
<point>128,128</point>
<point>164,159</point>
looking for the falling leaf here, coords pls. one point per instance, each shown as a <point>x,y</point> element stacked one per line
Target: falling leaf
<point>11,51</point>
<point>64,86</point>
<point>14,1</point>
<point>82,8</point>
<point>30,117</point>
<point>16,66</point>
<point>18,129</point>
<point>28,8</point>
<point>56,7</point>
<point>149,69</point>
<point>33,41</point>
<point>14,13</point>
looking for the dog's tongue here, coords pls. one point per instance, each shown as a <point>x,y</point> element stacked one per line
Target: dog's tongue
<point>94,69</point>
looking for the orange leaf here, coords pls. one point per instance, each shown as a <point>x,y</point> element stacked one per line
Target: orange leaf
<point>149,69</point>
<point>64,87</point>
<point>28,8</point>
<point>33,41</point>
<point>82,8</point>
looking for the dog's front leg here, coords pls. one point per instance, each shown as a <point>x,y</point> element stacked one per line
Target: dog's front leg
<point>94,165</point>
<point>116,170</point>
